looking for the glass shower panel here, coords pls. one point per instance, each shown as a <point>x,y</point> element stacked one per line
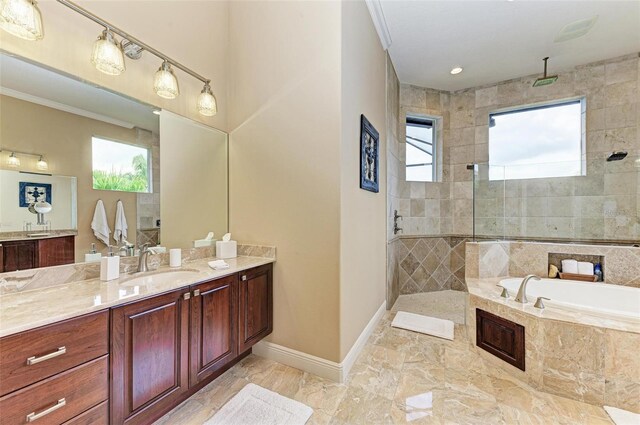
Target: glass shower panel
<point>489,202</point>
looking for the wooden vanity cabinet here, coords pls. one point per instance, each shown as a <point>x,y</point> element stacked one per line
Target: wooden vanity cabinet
<point>18,255</point>
<point>149,357</point>
<point>213,329</point>
<point>256,306</point>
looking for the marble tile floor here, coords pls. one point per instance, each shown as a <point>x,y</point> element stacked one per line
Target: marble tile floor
<point>401,377</point>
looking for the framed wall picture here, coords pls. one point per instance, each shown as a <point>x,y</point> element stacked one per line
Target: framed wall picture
<point>33,192</point>
<point>369,156</point>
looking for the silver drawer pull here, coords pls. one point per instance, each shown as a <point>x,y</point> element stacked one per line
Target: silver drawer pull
<point>33,416</point>
<point>34,360</point>
<point>244,277</point>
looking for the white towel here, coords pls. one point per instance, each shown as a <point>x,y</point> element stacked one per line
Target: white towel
<point>585,268</point>
<point>120,230</point>
<point>99,223</point>
<point>218,264</point>
<point>569,266</point>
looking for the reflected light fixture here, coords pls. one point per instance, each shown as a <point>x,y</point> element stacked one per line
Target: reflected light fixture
<point>165,83</point>
<point>156,111</point>
<point>107,55</point>
<point>13,160</point>
<point>21,18</point>
<point>457,70</point>
<point>207,104</point>
<point>42,164</point>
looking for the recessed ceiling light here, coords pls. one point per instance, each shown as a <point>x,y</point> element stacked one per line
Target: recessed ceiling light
<point>456,70</point>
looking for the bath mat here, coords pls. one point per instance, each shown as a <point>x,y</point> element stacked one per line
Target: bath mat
<point>255,405</point>
<point>622,417</point>
<point>424,324</point>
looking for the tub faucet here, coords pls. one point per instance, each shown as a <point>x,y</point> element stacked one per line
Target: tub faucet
<point>143,266</point>
<point>522,291</point>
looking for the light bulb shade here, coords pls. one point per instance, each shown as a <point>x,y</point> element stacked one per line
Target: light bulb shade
<point>13,160</point>
<point>165,83</point>
<point>107,56</point>
<point>21,18</point>
<point>42,164</point>
<point>207,104</point>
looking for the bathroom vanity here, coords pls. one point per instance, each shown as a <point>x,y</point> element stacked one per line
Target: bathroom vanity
<point>135,360</point>
<point>29,252</point>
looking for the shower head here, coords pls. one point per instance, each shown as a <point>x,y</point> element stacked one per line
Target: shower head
<point>617,156</point>
<point>545,80</point>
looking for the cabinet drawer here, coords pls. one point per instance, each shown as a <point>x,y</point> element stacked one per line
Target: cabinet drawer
<point>52,349</point>
<point>97,415</point>
<point>59,398</point>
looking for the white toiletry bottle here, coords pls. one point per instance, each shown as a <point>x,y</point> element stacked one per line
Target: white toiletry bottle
<point>109,267</point>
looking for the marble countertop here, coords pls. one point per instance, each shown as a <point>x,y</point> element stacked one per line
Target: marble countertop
<point>30,309</point>
<point>25,237</point>
<point>486,288</point>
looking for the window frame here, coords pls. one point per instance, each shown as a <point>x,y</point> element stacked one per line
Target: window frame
<point>435,146</point>
<point>149,162</point>
<point>582,100</point>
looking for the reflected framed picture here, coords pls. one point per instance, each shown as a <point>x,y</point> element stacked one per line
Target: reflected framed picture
<point>30,193</point>
<point>369,156</point>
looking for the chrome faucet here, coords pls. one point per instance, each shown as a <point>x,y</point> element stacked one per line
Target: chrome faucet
<point>143,265</point>
<point>522,291</point>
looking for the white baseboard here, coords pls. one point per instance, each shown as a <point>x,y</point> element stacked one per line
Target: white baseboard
<point>318,366</point>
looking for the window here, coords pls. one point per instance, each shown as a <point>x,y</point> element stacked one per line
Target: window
<point>421,149</point>
<point>120,166</point>
<point>537,142</point>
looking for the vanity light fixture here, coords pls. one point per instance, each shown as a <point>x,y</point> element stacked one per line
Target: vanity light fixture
<point>207,104</point>
<point>165,83</point>
<point>21,18</point>
<point>457,70</point>
<point>13,160</point>
<point>107,55</point>
<point>42,164</point>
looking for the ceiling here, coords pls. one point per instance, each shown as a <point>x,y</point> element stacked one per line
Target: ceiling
<point>500,40</point>
<point>39,85</point>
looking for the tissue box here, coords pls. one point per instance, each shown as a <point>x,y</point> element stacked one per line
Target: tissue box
<point>226,249</point>
<point>109,268</point>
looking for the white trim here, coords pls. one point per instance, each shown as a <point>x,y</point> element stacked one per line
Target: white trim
<point>318,366</point>
<point>379,22</point>
<point>62,107</point>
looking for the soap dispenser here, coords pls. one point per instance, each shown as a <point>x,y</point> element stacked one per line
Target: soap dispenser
<point>93,256</point>
<point>109,266</point>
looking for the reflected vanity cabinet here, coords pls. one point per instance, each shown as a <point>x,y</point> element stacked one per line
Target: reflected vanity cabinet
<point>32,253</point>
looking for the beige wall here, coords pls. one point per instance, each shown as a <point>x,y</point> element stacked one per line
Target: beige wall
<point>362,213</point>
<point>65,140</point>
<point>284,159</point>
<point>192,32</point>
<point>193,181</point>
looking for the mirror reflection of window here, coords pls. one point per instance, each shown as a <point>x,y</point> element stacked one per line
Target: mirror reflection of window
<point>120,166</point>
<point>421,146</point>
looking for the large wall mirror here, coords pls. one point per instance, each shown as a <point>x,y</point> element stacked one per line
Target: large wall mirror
<point>70,150</point>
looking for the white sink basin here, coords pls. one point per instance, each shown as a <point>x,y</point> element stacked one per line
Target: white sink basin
<point>155,278</point>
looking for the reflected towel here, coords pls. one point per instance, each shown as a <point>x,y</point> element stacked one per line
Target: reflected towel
<point>120,229</point>
<point>99,223</point>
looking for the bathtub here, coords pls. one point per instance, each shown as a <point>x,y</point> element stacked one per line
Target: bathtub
<point>596,298</point>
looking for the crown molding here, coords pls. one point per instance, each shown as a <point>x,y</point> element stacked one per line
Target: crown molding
<point>379,22</point>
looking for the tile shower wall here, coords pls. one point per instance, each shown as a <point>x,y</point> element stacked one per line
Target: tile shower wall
<point>148,204</point>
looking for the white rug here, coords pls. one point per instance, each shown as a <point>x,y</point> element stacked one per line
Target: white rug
<point>622,417</point>
<point>424,324</point>
<point>255,405</point>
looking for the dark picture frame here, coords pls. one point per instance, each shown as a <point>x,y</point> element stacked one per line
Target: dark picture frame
<point>369,156</point>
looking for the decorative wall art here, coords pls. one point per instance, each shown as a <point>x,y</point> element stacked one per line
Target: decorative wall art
<point>369,156</point>
<point>34,192</point>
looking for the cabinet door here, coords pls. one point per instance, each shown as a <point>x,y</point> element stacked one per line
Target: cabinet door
<point>256,306</point>
<point>149,357</point>
<point>56,251</point>
<point>20,255</point>
<point>213,328</point>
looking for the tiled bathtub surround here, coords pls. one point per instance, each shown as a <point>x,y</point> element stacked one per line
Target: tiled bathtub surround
<point>429,264</point>
<point>495,259</point>
<point>52,276</point>
<point>591,363</point>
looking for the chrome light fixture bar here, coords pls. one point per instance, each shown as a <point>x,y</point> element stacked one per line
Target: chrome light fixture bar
<point>131,40</point>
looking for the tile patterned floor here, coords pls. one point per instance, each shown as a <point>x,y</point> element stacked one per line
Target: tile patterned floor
<point>400,377</point>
